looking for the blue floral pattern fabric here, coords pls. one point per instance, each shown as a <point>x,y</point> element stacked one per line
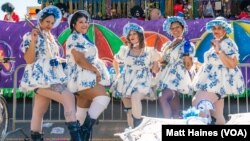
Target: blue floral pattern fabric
<point>41,74</point>
<point>80,78</point>
<point>217,78</point>
<point>136,76</point>
<point>174,75</point>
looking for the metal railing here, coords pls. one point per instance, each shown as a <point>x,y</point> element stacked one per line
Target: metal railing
<point>114,112</point>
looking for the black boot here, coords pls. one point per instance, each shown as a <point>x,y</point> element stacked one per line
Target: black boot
<point>36,136</point>
<point>87,127</point>
<point>136,121</point>
<point>75,131</point>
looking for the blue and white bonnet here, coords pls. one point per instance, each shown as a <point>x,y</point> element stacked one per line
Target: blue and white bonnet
<point>132,26</point>
<point>219,21</point>
<point>53,10</point>
<point>82,11</point>
<point>167,24</point>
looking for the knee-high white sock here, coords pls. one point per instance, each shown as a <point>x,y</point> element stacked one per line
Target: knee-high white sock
<point>136,105</point>
<point>81,114</point>
<point>129,118</point>
<point>98,105</point>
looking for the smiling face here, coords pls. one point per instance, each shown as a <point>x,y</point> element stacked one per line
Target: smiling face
<point>47,23</point>
<point>176,29</point>
<point>81,25</point>
<point>218,32</point>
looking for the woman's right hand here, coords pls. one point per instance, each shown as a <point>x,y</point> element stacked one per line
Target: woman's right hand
<point>34,34</point>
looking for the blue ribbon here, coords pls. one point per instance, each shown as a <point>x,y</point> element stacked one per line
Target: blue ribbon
<point>53,62</point>
<point>187,47</point>
<point>64,64</point>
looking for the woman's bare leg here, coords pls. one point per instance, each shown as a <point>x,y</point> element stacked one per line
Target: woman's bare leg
<point>218,112</point>
<point>40,107</point>
<point>204,101</point>
<point>65,98</point>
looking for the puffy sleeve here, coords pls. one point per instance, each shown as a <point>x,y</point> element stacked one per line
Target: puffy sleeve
<point>121,55</point>
<point>69,43</point>
<point>26,42</point>
<point>230,48</point>
<point>75,41</point>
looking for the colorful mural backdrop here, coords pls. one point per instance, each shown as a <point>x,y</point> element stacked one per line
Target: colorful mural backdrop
<point>107,35</point>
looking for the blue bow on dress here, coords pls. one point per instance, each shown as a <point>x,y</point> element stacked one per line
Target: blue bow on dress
<point>53,62</point>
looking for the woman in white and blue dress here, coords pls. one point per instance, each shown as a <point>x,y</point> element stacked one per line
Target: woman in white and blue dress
<point>87,73</point>
<point>219,75</point>
<point>45,75</point>
<point>134,83</point>
<point>177,59</point>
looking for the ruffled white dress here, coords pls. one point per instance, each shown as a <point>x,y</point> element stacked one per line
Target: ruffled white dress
<point>215,77</point>
<point>80,78</point>
<point>136,76</point>
<point>174,75</point>
<point>41,74</point>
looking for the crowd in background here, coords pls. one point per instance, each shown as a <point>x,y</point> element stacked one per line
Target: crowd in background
<point>180,8</point>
